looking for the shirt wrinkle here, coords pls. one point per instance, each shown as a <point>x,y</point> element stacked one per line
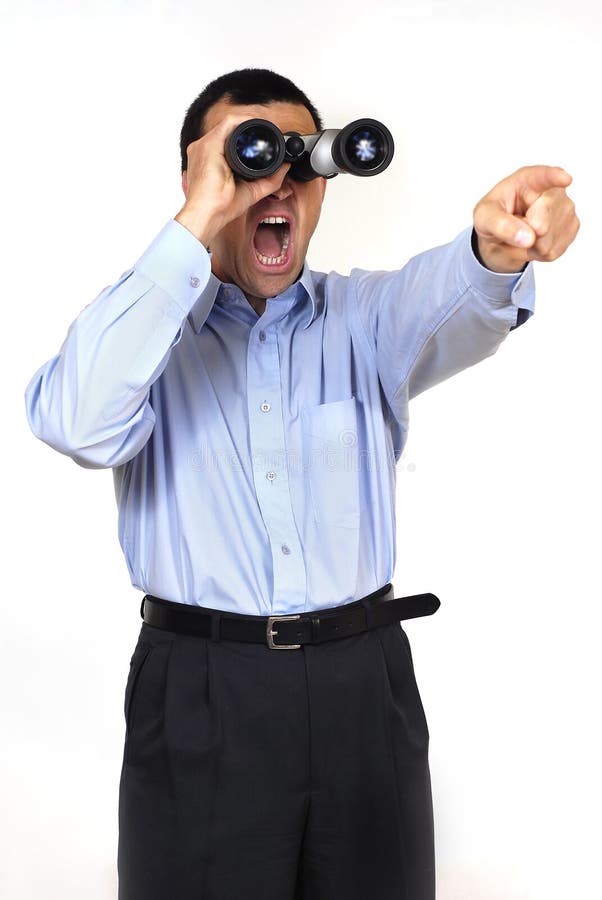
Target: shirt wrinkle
<point>254,457</point>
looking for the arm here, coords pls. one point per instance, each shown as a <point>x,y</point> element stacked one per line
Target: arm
<point>91,400</point>
<point>452,306</point>
<point>441,313</point>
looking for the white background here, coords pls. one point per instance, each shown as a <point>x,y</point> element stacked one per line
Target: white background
<point>499,488</point>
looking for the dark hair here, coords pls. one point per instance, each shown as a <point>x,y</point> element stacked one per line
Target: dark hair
<point>245,86</point>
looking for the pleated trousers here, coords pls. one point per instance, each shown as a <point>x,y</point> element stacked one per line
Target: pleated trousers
<point>258,774</point>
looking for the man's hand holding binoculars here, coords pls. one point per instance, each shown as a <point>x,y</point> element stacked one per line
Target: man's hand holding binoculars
<point>214,196</point>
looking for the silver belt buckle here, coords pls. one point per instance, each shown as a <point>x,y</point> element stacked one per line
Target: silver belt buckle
<point>270,633</point>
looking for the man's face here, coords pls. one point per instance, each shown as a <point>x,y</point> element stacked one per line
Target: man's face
<point>241,250</point>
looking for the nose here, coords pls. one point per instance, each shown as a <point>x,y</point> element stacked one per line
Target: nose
<point>284,191</point>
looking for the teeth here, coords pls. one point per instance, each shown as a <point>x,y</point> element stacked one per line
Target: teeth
<point>274,220</point>
<point>270,260</point>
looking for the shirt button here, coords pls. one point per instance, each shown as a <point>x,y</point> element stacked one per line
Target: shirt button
<point>262,335</point>
<point>285,549</point>
<point>194,281</point>
<point>265,407</point>
<point>270,476</point>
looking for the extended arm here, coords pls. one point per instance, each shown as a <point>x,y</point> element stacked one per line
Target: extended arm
<point>439,314</point>
<point>452,306</point>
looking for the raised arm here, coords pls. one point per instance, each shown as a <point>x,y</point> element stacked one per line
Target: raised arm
<point>91,400</point>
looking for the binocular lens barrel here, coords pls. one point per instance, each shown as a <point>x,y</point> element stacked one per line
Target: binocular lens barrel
<point>255,149</point>
<point>365,147</point>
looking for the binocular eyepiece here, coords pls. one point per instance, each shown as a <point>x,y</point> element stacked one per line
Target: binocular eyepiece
<point>257,148</point>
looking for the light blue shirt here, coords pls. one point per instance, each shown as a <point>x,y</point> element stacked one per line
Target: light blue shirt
<point>254,456</point>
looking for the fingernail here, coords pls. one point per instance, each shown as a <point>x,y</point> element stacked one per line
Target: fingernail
<point>523,237</point>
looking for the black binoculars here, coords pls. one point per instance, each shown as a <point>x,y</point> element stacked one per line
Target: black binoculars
<point>257,148</point>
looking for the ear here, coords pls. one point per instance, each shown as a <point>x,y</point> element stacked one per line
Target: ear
<point>185,182</point>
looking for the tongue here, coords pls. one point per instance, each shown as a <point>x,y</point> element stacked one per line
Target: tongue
<point>268,240</point>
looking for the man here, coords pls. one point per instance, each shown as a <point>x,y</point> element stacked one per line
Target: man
<point>252,412</point>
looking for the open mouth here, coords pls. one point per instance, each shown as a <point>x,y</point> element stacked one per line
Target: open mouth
<point>272,240</point>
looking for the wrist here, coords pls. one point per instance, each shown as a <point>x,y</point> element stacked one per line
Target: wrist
<point>197,223</point>
<point>498,258</point>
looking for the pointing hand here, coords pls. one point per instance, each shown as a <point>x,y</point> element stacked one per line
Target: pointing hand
<point>527,216</point>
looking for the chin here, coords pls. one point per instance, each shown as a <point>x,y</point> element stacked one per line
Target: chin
<point>272,285</point>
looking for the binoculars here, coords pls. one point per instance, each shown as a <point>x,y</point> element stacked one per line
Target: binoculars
<point>257,148</point>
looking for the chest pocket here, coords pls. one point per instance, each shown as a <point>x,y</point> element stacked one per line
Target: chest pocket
<point>331,462</point>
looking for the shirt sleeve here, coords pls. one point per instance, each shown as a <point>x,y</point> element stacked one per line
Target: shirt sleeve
<point>91,400</point>
<point>441,313</point>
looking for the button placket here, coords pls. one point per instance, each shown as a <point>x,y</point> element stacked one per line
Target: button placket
<point>270,467</point>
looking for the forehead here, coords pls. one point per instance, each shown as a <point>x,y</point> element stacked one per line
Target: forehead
<point>286,116</point>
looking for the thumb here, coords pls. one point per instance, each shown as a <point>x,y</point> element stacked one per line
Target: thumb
<point>258,188</point>
<point>493,223</point>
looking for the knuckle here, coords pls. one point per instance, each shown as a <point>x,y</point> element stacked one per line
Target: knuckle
<point>525,171</point>
<point>479,209</point>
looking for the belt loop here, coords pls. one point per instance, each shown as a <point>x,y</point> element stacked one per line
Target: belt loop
<point>367,611</point>
<point>215,627</point>
<point>315,629</point>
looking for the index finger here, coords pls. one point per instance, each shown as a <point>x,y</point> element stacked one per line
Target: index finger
<point>532,181</point>
<point>228,124</point>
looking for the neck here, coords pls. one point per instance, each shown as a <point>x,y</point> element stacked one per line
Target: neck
<point>258,304</point>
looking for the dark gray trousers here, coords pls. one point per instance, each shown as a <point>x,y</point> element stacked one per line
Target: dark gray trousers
<point>258,774</point>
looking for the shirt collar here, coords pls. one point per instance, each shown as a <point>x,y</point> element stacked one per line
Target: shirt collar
<point>305,289</point>
<point>307,282</point>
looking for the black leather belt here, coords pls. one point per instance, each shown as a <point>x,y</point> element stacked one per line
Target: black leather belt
<point>291,631</point>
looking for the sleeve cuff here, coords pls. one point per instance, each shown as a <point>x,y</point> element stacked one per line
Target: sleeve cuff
<point>515,288</point>
<point>178,263</point>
